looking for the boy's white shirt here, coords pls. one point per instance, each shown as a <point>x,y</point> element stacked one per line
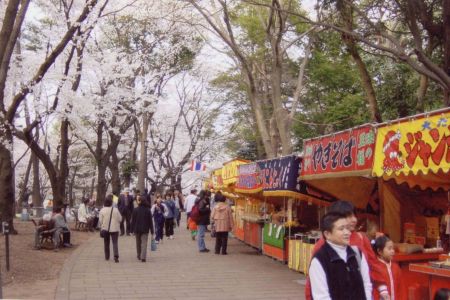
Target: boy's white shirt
<point>318,278</point>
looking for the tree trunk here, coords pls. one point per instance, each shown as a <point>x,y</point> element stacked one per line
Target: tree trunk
<point>446,42</point>
<point>279,113</point>
<point>7,192</point>
<point>60,198</point>
<point>261,124</point>
<point>101,183</point>
<point>115,174</point>
<point>142,175</point>
<point>421,92</point>
<point>24,187</point>
<point>346,12</point>
<point>92,189</point>
<point>36,194</point>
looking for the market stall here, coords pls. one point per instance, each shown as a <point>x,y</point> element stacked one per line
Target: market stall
<point>338,166</point>
<point>413,160</point>
<point>252,218</point>
<point>224,179</point>
<point>273,213</point>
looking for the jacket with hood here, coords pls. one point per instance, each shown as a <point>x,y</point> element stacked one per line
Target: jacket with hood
<point>222,217</point>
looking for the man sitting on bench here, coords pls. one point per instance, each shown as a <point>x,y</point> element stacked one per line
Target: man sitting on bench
<point>61,227</point>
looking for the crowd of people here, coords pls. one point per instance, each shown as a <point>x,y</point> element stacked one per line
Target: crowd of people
<point>345,263</point>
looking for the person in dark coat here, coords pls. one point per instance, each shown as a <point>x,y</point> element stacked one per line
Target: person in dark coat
<point>203,219</point>
<point>141,224</point>
<point>125,206</point>
<point>158,216</point>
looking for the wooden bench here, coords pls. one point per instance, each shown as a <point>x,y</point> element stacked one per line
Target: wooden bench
<point>80,226</point>
<point>46,231</point>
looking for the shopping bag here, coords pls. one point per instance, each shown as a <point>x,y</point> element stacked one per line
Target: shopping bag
<point>153,245</point>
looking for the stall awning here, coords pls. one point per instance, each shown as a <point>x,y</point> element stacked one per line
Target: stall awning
<point>415,151</point>
<point>343,154</point>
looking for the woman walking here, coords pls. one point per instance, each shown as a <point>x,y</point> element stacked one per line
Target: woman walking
<point>158,217</point>
<point>222,218</point>
<point>169,214</point>
<point>109,220</point>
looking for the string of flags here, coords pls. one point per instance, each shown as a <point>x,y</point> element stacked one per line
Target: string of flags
<point>197,166</point>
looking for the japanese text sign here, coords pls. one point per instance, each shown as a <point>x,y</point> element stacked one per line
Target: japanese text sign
<point>280,174</point>
<point>249,180</point>
<point>348,153</point>
<point>230,171</point>
<point>414,145</point>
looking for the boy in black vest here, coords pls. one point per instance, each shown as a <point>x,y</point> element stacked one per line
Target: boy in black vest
<point>338,271</point>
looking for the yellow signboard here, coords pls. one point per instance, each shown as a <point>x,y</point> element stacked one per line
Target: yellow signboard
<point>230,171</point>
<point>216,179</point>
<point>413,145</point>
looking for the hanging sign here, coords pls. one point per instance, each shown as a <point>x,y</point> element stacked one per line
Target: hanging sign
<point>347,153</point>
<point>280,175</point>
<point>248,180</point>
<point>414,145</point>
<point>216,179</point>
<point>230,171</point>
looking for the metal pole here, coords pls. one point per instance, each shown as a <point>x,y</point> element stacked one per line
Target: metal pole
<point>1,293</point>
<point>7,250</point>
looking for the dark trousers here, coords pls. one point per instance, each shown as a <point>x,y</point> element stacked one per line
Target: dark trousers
<point>169,226</point>
<point>141,245</point>
<point>221,242</point>
<point>126,217</point>
<point>114,236</point>
<point>178,218</point>
<point>159,228</point>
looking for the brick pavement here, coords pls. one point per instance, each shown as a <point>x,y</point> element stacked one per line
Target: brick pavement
<point>176,271</point>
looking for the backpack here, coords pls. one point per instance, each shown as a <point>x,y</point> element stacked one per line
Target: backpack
<point>195,213</point>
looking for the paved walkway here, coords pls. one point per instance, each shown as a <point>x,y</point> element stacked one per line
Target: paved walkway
<point>176,271</point>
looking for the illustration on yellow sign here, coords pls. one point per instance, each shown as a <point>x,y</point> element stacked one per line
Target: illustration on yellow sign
<point>414,145</point>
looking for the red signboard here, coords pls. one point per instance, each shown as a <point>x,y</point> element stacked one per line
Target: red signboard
<point>347,153</point>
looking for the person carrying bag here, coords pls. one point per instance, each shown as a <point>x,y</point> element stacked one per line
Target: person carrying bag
<point>109,228</point>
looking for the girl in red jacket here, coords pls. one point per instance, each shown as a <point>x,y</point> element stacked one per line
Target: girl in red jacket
<point>384,248</point>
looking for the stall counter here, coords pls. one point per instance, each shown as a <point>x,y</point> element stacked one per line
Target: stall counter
<point>414,285</point>
<point>436,277</point>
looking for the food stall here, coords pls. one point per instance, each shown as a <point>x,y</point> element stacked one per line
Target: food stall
<point>224,179</point>
<point>250,217</point>
<point>412,162</point>
<point>338,166</point>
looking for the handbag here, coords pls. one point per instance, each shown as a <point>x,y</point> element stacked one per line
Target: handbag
<point>213,230</point>
<point>104,232</point>
<point>153,245</point>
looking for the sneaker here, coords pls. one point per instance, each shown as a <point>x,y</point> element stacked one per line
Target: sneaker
<point>116,259</point>
<point>204,250</point>
<point>193,237</point>
<point>138,257</point>
<point>171,237</point>
<point>156,242</point>
<point>143,260</point>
